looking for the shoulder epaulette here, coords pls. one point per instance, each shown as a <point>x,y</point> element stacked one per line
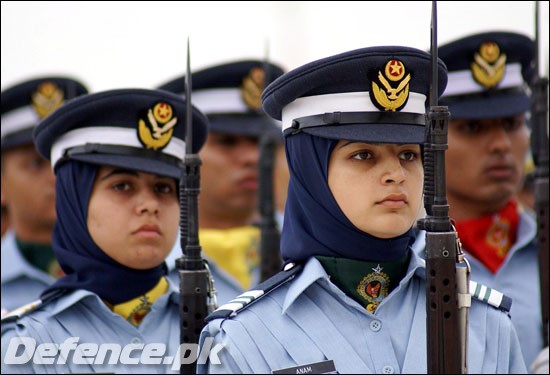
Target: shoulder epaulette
<point>25,309</point>
<point>490,296</point>
<point>237,304</point>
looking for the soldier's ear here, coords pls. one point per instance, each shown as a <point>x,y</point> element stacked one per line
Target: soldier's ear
<point>4,195</point>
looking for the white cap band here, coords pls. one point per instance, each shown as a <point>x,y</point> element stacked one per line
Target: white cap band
<point>18,119</point>
<point>343,102</point>
<point>461,82</point>
<point>111,136</point>
<point>211,101</point>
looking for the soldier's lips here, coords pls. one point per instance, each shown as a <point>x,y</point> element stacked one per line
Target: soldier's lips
<point>500,172</point>
<point>393,201</point>
<point>148,231</point>
<point>249,183</point>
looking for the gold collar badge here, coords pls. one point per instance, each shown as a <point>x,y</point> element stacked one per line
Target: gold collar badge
<point>158,132</point>
<point>47,98</point>
<point>498,235</point>
<point>386,96</point>
<point>252,87</point>
<point>489,65</point>
<point>374,287</point>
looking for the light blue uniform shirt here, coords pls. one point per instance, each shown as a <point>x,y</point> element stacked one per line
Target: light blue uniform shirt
<point>226,286</point>
<point>518,278</point>
<point>22,283</point>
<point>309,320</point>
<point>83,315</point>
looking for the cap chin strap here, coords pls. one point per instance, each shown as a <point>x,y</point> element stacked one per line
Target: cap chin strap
<point>98,148</point>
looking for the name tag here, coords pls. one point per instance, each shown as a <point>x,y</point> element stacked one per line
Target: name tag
<point>324,367</point>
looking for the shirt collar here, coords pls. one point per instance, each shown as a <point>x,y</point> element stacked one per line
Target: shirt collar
<point>17,265</point>
<point>314,271</point>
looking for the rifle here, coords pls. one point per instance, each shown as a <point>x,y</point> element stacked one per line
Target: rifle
<point>447,296</point>
<point>270,237</point>
<point>197,294</point>
<point>539,149</point>
<point>269,233</point>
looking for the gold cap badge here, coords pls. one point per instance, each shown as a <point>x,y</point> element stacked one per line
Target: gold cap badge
<point>158,132</point>
<point>489,65</point>
<point>252,88</point>
<point>47,98</point>
<point>390,90</point>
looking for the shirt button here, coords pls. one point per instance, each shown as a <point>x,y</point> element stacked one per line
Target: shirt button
<point>387,370</point>
<point>136,340</point>
<point>375,325</point>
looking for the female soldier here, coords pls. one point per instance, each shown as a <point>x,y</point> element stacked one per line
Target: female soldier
<point>117,157</point>
<point>352,298</point>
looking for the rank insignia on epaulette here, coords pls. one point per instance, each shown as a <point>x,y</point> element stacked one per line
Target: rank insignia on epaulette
<point>490,296</point>
<point>244,300</point>
<point>47,98</point>
<point>158,132</point>
<point>252,87</point>
<point>489,65</point>
<point>390,90</point>
<point>20,311</point>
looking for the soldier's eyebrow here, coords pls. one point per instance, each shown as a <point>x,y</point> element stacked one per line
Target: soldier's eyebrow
<point>118,171</point>
<point>360,142</point>
<point>347,144</point>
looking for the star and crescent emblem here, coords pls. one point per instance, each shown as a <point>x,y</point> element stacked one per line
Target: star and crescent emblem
<point>47,98</point>
<point>390,90</point>
<point>252,87</point>
<point>157,131</point>
<point>489,65</point>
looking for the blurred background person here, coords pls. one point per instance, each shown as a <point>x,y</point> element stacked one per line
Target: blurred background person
<point>229,94</point>
<point>28,189</point>
<point>526,195</point>
<point>488,137</point>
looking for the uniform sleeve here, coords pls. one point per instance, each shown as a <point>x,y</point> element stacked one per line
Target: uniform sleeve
<point>511,361</point>
<point>231,360</point>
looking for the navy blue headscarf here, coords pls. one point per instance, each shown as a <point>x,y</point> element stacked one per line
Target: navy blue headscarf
<point>86,266</point>
<point>314,224</point>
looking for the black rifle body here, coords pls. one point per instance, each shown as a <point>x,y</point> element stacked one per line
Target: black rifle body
<point>539,144</point>
<point>444,340</point>
<point>194,277</point>
<point>270,260</point>
<point>539,150</point>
